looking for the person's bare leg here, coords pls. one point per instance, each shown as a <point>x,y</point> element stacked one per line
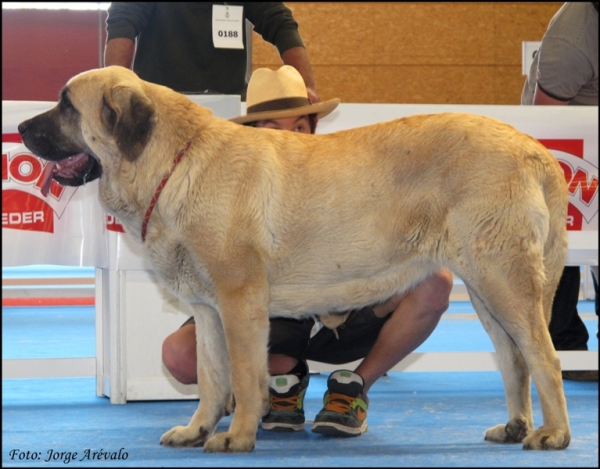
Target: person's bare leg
<point>413,320</point>
<point>281,364</point>
<point>179,354</point>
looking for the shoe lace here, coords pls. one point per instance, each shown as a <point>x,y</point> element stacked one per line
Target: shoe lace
<point>284,403</point>
<point>340,403</point>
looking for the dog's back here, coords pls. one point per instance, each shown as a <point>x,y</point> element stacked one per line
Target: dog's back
<point>376,209</point>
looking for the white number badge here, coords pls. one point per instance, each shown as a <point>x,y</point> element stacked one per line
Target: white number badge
<point>227,26</point>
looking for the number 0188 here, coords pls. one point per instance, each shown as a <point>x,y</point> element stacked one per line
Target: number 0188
<point>227,34</point>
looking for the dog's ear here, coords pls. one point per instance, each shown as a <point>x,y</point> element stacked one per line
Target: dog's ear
<point>129,116</point>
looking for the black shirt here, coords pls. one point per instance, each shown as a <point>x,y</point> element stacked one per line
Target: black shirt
<point>175,47</point>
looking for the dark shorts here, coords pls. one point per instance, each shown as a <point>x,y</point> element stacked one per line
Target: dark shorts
<point>357,335</point>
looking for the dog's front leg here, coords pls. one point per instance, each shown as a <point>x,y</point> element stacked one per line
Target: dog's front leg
<point>245,318</point>
<point>213,382</point>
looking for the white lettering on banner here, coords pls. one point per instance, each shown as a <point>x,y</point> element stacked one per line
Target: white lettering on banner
<point>65,228</point>
<point>582,179</point>
<point>21,171</point>
<point>23,168</point>
<point>22,218</point>
<point>113,224</point>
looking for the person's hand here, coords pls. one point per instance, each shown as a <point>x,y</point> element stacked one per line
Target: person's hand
<point>313,97</point>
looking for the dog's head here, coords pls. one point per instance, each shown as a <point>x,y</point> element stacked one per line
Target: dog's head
<point>101,115</point>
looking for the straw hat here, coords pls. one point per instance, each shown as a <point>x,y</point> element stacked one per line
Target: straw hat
<point>278,94</point>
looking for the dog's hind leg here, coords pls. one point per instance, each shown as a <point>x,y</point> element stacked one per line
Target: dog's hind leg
<point>517,308</point>
<point>515,376</point>
<point>213,382</point>
<point>535,342</point>
<point>555,432</point>
<point>511,256</point>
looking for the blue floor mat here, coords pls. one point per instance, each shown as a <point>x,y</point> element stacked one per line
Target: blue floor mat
<point>415,419</point>
<point>48,332</point>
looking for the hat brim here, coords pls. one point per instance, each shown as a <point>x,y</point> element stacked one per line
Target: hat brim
<point>320,109</point>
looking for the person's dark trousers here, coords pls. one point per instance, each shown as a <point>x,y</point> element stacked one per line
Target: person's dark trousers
<point>595,293</point>
<point>567,330</point>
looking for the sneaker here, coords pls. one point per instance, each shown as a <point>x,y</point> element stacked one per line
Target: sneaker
<point>345,406</point>
<point>584,375</point>
<point>286,395</point>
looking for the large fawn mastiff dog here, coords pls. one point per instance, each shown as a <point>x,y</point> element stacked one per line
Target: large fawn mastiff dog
<point>244,222</point>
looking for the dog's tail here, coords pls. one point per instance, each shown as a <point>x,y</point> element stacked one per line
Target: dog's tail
<point>556,196</point>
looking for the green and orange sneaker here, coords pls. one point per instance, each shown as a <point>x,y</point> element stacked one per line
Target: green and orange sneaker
<point>286,395</point>
<point>345,406</point>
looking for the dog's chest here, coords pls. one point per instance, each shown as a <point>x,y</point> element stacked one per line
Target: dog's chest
<point>185,277</point>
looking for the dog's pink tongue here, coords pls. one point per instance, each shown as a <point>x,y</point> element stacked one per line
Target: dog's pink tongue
<point>47,177</point>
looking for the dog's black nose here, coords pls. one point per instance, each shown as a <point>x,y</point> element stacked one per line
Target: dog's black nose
<point>22,127</point>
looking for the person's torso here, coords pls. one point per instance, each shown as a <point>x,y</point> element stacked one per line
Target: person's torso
<point>176,50</point>
<point>566,66</point>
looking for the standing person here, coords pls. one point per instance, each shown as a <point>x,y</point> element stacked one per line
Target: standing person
<point>383,334</point>
<point>184,45</point>
<point>565,72</point>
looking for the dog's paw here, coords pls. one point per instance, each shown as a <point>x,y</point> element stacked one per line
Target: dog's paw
<point>184,436</point>
<point>547,439</point>
<point>513,432</point>
<point>227,442</point>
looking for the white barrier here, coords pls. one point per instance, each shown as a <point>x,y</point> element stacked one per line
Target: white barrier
<point>128,358</point>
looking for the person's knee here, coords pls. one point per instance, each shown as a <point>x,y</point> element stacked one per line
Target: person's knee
<point>280,364</point>
<point>171,351</point>
<point>179,357</point>
<point>437,291</point>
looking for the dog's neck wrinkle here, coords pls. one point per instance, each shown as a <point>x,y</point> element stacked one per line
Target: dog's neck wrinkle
<point>127,174</point>
<point>132,204</point>
<point>124,199</point>
<point>120,204</point>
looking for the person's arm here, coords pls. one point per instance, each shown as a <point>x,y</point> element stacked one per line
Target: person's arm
<point>542,99</point>
<point>119,51</point>
<point>297,57</point>
<point>124,22</point>
<point>276,24</point>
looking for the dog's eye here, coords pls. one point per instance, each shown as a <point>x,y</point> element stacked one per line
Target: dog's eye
<point>66,104</point>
